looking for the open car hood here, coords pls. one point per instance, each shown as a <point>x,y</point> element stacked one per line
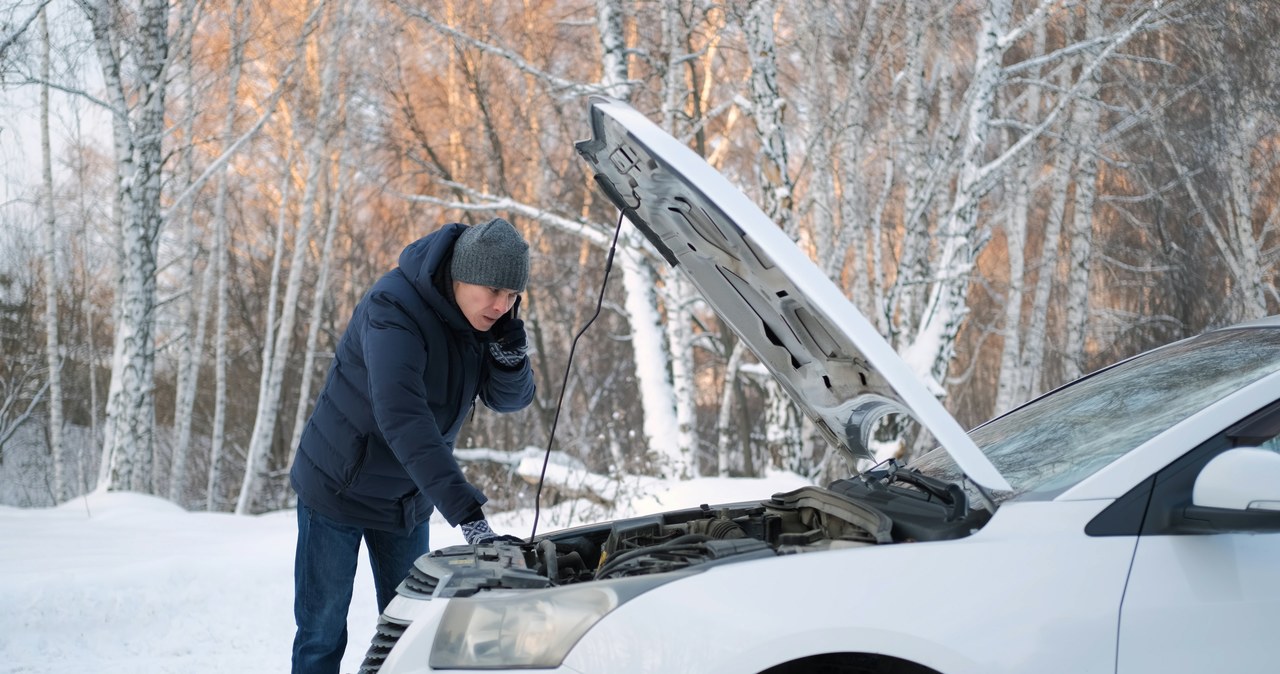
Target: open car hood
<point>835,365</point>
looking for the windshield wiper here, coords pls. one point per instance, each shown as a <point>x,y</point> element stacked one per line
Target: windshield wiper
<point>949,493</point>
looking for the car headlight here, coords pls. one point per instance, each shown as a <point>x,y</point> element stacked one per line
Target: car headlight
<point>529,628</point>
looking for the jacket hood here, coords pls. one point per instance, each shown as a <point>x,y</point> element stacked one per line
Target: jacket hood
<point>426,260</point>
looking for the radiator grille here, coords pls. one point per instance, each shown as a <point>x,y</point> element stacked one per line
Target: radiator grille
<point>384,639</point>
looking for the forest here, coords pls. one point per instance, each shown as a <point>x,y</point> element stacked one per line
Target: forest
<point>1014,192</point>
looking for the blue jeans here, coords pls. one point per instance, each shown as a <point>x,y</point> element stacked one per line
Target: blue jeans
<point>324,571</point>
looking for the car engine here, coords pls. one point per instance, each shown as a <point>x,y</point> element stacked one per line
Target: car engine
<point>873,509</point>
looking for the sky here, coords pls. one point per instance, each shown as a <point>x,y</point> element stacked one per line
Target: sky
<point>123,582</point>
<point>72,116</point>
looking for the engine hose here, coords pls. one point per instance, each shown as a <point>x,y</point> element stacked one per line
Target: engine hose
<point>692,541</point>
<point>717,528</point>
<point>548,551</point>
<point>572,562</point>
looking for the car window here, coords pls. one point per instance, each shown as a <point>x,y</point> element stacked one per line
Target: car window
<point>1054,442</point>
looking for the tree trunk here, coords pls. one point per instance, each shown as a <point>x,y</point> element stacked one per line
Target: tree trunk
<point>264,426</point>
<point>217,269</point>
<point>1086,177</point>
<point>1035,342</point>
<point>724,446</point>
<point>931,347</point>
<point>1021,184</point>
<point>218,429</point>
<point>782,421</point>
<point>139,132</point>
<point>195,310</point>
<point>904,295</point>
<point>657,398</point>
<point>613,49</point>
<point>1250,298</point>
<point>678,296</point>
<point>53,347</point>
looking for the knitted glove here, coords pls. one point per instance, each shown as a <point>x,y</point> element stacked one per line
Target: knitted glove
<point>477,532</point>
<point>510,343</point>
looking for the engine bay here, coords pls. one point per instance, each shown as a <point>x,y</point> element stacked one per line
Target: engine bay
<point>876,508</point>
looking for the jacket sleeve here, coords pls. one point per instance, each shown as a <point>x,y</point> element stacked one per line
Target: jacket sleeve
<point>395,353</point>
<point>507,390</point>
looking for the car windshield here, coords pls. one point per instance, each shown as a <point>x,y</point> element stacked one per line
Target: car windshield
<point>1054,442</point>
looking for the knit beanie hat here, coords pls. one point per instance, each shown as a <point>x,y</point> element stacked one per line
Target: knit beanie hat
<point>493,255</point>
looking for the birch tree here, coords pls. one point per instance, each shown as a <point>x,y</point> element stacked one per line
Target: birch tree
<point>958,235</point>
<point>195,295</point>
<point>212,286</point>
<point>219,264</point>
<point>903,296</point>
<point>677,294</point>
<point>134,75</point>
<point>1021,184</point>
<point>961,234</point>
<point>269,395</point>
<point>639,280</point>
<point>221,234</point>
<point>1081,232</point>
<point>284,83</point>
<point>766,107</point>
<point>15,26</point>
<point>835,220</point>
<point>53,347</point>
<point>1230,200</point>
<point>1023,361</point>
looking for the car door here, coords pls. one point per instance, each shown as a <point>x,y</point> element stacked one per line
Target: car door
<point>1196,601</point>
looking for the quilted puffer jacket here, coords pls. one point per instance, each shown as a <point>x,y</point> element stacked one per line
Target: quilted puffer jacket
<point>377,450</point>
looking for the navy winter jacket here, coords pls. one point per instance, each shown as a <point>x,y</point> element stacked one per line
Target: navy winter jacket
<point>378,449</point>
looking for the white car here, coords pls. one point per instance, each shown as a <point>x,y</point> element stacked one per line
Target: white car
<point>1126,522</point>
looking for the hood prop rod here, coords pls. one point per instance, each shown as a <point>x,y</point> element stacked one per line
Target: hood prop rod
<point>564,385</point>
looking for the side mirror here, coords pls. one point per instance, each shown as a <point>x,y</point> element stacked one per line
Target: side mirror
<point>1238,490</point>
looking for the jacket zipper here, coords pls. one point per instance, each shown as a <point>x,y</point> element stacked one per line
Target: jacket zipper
<point>364,454</point>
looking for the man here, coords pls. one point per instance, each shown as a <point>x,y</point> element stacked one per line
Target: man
<point>376,456</point>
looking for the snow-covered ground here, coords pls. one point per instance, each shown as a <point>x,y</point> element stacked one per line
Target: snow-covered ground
<point>129,583</point>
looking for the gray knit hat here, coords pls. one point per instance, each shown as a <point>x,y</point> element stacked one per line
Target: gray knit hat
<point>493,255</point>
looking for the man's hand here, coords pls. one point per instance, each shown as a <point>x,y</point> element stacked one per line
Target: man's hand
<point>510,343</point>
<point>478,532</point>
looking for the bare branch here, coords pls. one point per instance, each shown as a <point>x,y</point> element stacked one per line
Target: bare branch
<point>7,41</point>
<point>990,170</point>
<point>79,93</point>
<point>273,99</point>
<point>1045,59</point>
<point>12,426</point>
<point>566,88</point>
<point>488,203</point>
<point>1031,21</point>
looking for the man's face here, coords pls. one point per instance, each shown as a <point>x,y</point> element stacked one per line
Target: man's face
<point>482,305</point>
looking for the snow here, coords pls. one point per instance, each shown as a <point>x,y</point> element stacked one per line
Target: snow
<point>122,582</point>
